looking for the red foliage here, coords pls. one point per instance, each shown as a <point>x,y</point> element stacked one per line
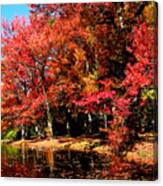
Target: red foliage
<point>73,55</point>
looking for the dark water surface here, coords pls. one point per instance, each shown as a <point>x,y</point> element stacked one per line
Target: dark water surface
<point>51,163</point>
<point>66,164</point>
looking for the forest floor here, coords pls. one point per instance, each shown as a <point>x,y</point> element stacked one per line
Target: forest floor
<point>142,152</point>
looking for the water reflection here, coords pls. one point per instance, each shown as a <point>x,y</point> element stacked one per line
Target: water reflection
<point>51,164</point>
<point>68,164</point>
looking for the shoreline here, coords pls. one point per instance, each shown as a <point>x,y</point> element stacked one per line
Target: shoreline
<point>72,144</point>
<point>142,152</point>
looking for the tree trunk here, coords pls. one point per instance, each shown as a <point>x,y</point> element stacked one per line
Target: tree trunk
<point>38,130</point>
<point>90,123</point>
<point>68,127</point>
<point>50,128</point>
<point>105,121</point>
<point>22,132</point>
<point>49,116</point>
<point>68,123</point>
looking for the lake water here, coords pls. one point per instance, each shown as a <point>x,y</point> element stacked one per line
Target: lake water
<point>66,164</point>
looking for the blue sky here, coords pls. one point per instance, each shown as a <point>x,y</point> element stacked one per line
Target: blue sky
<point>10,11</point>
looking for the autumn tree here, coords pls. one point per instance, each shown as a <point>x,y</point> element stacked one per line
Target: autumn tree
<point>93,58</point>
